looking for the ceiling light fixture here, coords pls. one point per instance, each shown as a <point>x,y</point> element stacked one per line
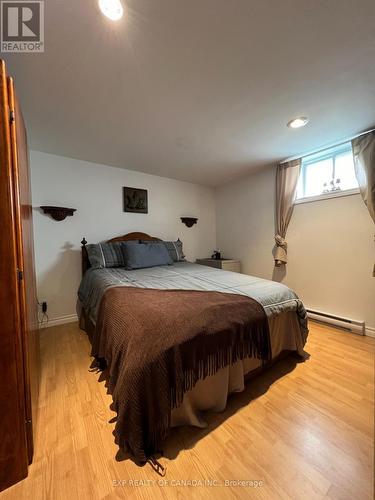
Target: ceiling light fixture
<point>111,9</point>
<point>298,122</point>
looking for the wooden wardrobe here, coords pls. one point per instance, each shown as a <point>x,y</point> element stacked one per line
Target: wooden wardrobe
<point>19,344</point>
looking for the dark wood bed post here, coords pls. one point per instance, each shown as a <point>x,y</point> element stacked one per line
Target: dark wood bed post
<point>85,257</point>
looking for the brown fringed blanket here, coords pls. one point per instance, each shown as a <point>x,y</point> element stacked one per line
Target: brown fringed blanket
<point>159,343</point>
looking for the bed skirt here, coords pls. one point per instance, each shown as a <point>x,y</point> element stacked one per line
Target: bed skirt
<point>211,394</point>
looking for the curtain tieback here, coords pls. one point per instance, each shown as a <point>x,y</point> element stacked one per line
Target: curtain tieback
<point>280,251</point>
<point>280,242</point>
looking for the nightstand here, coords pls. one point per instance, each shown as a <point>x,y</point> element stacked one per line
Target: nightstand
<point>225,264</point>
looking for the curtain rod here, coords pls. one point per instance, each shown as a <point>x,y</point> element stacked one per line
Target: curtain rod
<point>327,147</point>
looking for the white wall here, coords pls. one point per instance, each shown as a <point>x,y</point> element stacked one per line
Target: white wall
<point>330,242</point>
<point>96,192</point>
<point>330,245</point>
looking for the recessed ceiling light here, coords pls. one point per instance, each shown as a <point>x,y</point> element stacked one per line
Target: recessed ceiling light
<point>112,9</point>
<point>298,122</point>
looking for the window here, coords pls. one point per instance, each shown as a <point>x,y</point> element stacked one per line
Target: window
<point>327,174</point>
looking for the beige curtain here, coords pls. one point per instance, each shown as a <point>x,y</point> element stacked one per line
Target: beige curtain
<point>364,164</point>
<point>286,183</point>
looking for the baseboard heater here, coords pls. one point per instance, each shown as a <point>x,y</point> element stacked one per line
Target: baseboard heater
<point>352,325</point>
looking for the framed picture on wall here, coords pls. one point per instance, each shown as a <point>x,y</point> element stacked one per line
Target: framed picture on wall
<point>135,200</point>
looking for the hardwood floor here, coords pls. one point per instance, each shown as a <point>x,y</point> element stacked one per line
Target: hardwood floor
<point>305,430</point>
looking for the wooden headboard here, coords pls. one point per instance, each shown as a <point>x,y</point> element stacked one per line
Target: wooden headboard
<point>126,237</point>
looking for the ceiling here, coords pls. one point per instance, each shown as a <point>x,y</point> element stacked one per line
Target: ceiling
<point>198,90</point>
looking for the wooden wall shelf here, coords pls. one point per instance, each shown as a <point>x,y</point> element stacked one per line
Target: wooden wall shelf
<point>58,213</point>
<point>189,221</point>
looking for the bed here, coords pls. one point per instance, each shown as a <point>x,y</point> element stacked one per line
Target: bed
<point>217,376</point>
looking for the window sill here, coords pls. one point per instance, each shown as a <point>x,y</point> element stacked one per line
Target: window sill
<point>327,196</point>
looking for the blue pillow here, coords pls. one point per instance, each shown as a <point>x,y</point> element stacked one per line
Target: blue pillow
<point>141,256</point>
<point>107,254</point>
<point>174,249</point>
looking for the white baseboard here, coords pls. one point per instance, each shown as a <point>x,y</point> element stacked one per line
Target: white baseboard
<point>369,331</point>
<point>62,320</point>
